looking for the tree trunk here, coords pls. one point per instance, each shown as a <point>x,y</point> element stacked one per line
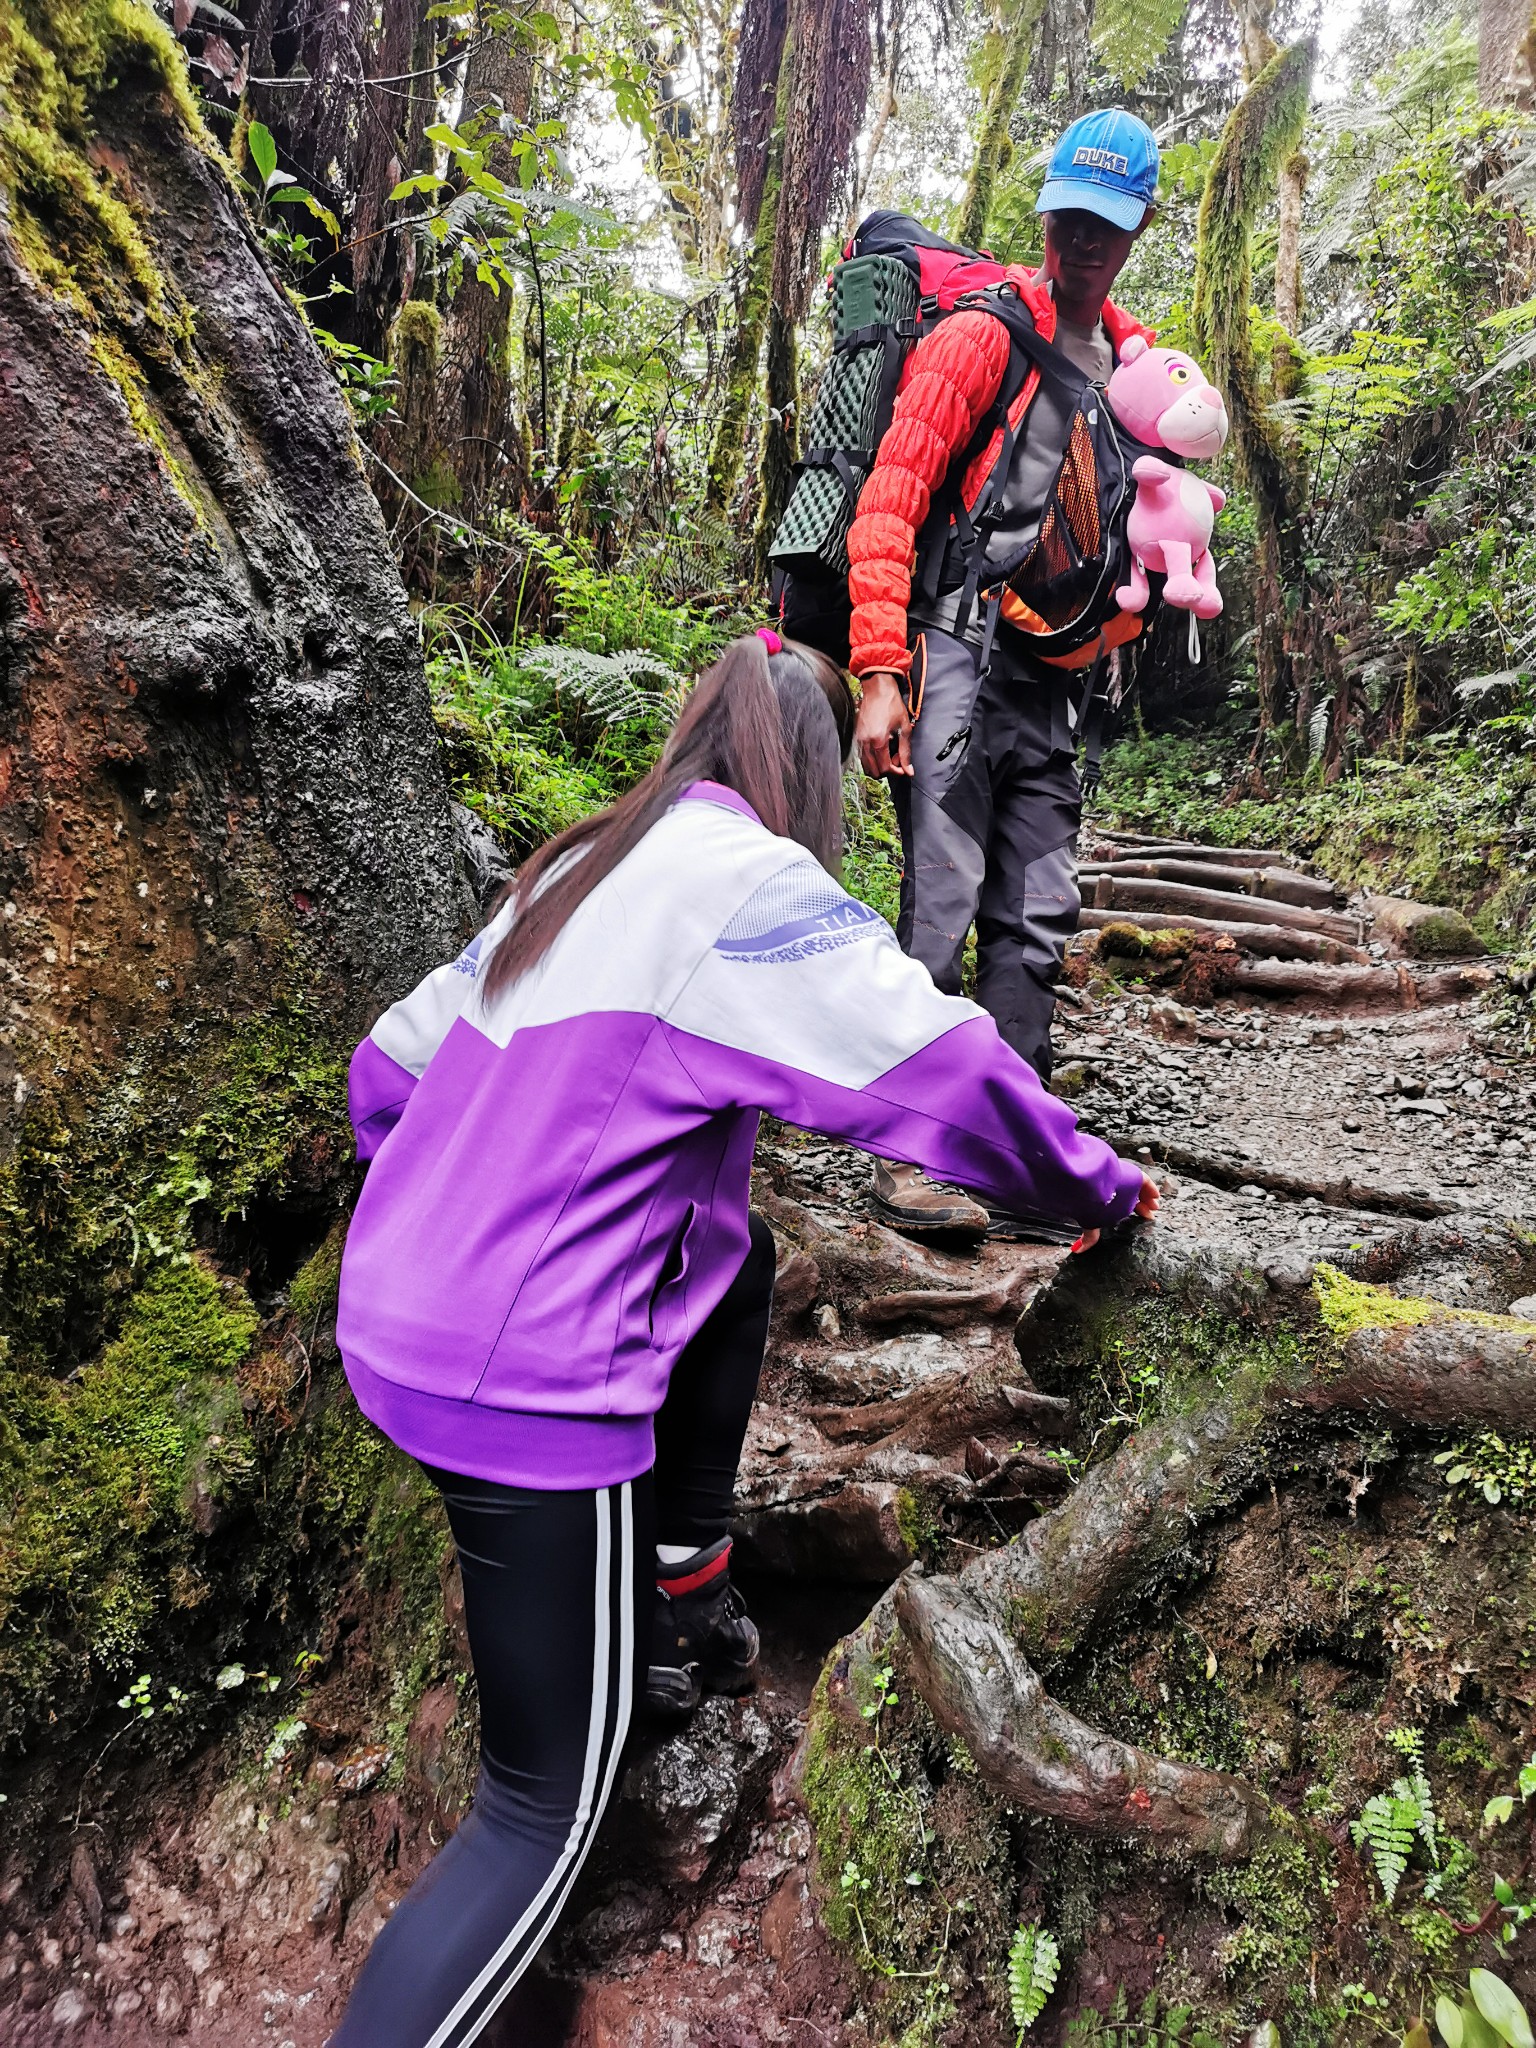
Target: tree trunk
<point>1504,33</point>
<point>227,835</point>
<point>997,115</point>
<point>391,126</point>
<point>475,371</point>
<point>1260,136</point>
<point>746,346</point>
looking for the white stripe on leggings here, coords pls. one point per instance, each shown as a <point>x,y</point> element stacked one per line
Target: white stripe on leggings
<point>602,1758</point>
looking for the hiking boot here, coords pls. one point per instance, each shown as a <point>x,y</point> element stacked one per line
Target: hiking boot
<point>1028,1226</point>
<point>702,1639</point>
<point>906,1197</point>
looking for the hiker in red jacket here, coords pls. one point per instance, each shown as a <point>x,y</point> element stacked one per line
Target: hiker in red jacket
<point>981,754</point>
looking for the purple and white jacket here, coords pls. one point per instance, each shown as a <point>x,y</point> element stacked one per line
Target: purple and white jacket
<point>558,1189</point>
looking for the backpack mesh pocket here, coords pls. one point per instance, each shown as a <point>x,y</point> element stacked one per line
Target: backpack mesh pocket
<point>1063,571</point>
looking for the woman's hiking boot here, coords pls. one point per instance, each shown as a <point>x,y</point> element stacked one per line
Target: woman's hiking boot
<point>907,1199</point>
<point>703,1639</point>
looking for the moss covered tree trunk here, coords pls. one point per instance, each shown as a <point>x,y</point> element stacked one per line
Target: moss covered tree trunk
<point>993,140</point>
<point>1259,139</point>
<point>728,452</point>
<point>226,843</point>
<point>481,447</point>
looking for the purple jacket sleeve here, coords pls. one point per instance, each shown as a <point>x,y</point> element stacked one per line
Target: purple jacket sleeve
<point>806,1007</point>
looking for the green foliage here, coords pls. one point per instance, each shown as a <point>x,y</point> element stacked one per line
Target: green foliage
<point>1493,2015</point>
<point>1453,821</point>
<point>1034,1963</point>
<point>1493,1466</point>
<point>1153,2025</point>
<point>1391,1823</point>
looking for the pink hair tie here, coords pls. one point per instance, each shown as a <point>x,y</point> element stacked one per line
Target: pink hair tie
<point>770,639</point>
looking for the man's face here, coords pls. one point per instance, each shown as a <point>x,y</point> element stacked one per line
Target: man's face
<point>1084,254</point>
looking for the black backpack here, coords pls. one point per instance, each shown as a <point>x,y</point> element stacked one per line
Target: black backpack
<point>896,282</point>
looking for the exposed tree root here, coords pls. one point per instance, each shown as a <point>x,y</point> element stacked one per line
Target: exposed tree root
<point>1129,1523</point>
<point>1224,1172</point>
<point>1035,1752</point>
<point>1448,1373</point>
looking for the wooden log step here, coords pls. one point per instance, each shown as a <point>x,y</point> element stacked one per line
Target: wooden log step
<point>1140,848</point>
<point>1270,941</point>
<point>1277,885</point>
<point>1112,893</point>
<point>1330,986</point>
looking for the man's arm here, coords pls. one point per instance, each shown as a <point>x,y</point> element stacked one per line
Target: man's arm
<point>955,374</point>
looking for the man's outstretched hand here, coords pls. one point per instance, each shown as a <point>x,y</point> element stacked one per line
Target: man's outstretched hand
<point>883,734</point>
<point>1146,1205</point>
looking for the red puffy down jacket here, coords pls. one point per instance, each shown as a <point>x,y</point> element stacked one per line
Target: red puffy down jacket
<point>949,381</point>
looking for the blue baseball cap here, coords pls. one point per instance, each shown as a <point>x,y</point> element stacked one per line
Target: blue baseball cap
<point>1105,163</point>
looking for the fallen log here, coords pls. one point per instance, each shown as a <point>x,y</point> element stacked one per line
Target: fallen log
<point>1110,893</point>
<point>1036,1752</point>
<point>1279,885</point>
<point>1331,985</point>
<point>1271,941</point>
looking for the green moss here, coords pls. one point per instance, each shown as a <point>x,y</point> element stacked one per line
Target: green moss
<point>1348,1305</point>
<point>1283,1893</point>
<point>106,1479</point>
<point>916,1520</point>
<point>912,1854</point>
<point>1129,941</point>
<point>313,1290</point>
<point>195,1129</point>
<point>1159,1693</point>
<point>75,231</point>
<point>418,325</point>
<point>125,373</point>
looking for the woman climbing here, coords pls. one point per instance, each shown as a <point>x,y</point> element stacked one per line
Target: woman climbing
<point>553,1294</point>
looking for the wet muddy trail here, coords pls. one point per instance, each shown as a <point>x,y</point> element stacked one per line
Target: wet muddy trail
<point>920,1401</point>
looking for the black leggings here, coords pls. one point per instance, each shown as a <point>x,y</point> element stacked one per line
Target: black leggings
<point>559,1592</point>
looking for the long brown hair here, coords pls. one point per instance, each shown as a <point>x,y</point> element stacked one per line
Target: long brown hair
<point>773,727</point>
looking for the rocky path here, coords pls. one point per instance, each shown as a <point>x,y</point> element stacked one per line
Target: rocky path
<point>1389,1136</point>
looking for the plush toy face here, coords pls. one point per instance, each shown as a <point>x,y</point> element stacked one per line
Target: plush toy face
<point>1165,399</point>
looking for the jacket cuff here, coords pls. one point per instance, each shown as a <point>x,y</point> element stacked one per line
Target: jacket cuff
<point>898,664</point>
<point>1122,1205</point>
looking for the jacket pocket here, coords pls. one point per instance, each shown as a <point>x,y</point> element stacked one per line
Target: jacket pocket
<point>669,1297</point>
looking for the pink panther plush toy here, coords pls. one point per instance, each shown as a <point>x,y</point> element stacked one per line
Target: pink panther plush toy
<point>1162,396</point>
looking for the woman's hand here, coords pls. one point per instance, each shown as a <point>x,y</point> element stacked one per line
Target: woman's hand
<point>1146,1205</point>
<point>883,734</point>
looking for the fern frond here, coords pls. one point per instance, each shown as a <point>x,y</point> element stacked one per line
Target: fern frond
<point>609,685</point>
<point>1387,1824</point>
<point>1034,1963</point>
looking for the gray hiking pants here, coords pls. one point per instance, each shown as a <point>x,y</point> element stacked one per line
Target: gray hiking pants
<point>989,821</point>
